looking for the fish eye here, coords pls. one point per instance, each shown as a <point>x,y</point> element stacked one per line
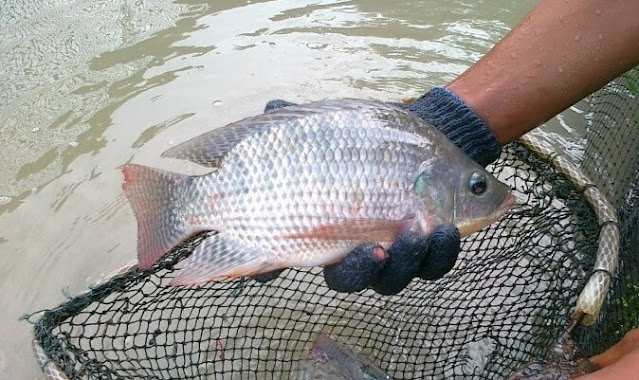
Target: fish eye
<point>477,183</point>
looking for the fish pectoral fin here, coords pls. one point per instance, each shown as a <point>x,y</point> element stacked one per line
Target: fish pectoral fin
<point>219,257</point>
<point>370,230</point>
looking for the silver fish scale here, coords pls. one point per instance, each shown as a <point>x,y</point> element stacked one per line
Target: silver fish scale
<point>314,171</point>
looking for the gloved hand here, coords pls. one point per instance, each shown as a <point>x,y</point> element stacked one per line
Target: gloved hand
<point>413,255</point>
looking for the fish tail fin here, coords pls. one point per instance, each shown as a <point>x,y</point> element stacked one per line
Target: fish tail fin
<point>220,257</point>
<point>155,197</point>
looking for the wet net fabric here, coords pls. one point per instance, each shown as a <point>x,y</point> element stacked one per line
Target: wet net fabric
<point>509,297</point>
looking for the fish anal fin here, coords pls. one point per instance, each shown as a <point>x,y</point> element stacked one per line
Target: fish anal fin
<point>219,257</point>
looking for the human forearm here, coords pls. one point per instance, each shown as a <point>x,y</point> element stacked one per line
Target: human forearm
<point>561,52</point>
<point>626,368</point>
<point>619,362</point>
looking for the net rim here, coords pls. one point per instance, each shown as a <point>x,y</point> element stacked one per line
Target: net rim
<point>594,293</point>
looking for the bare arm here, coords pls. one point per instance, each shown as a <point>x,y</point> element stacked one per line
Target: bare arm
<point>561,52</point>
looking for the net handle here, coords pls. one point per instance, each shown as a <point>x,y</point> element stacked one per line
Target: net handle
<point>49,368</point>
<point>594,293</point>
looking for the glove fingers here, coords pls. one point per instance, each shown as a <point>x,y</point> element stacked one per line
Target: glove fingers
<point>356,271</point>
<point>277,103</point>
<point>444,246</point>
<point>403,264</point>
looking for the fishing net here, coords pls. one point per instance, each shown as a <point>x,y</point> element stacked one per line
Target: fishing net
<point>514,289</point>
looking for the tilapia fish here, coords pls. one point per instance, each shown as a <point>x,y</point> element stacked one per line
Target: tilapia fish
<point>331,360</point>
<point>303,185</point>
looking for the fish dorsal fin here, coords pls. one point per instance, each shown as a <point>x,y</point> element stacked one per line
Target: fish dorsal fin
<point>327,106</point>
<point>209,148</point>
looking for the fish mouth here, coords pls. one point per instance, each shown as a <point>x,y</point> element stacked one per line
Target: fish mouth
<point>506,205</point>
<point>473,225</point>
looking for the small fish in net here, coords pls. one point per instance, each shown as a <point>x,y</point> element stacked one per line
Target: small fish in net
<point>331,360</point>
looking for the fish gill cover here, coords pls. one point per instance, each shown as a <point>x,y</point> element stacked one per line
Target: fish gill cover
<point>509,298</point>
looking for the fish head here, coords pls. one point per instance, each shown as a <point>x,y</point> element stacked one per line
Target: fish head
<point>480,198</point>
<point>462,193</point>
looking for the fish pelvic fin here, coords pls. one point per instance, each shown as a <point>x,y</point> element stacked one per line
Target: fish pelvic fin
<point>218,257</point>
<point>156,199</point>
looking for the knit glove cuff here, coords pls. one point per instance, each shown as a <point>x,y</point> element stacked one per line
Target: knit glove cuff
<point>459,123</point>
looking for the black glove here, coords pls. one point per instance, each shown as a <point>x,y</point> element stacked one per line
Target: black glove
<point>413,255</point>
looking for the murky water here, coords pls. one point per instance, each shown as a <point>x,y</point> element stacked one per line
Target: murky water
<point>88,85</point>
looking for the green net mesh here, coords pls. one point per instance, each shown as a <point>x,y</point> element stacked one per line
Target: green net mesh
<point>509,297</point>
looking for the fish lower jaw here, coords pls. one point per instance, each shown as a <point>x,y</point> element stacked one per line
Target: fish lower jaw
<point>469,227</point>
